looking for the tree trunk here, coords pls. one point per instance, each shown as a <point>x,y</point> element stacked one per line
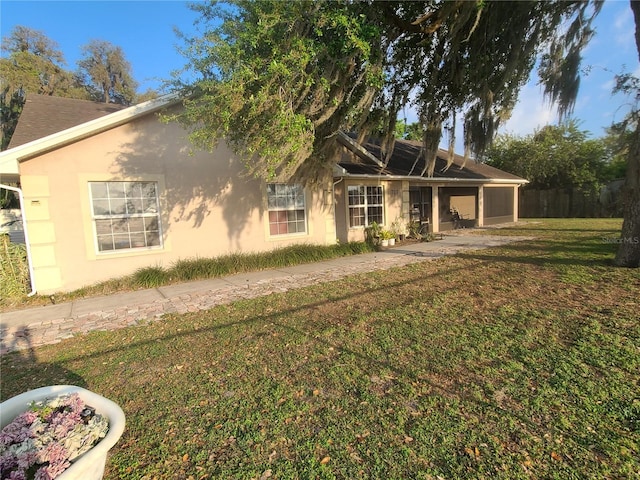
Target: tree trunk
<point>628,254</point>
<point>105,89</point>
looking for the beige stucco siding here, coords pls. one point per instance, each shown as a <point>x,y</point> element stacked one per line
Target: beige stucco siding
<point>208,207</point>
<point>393,191</point>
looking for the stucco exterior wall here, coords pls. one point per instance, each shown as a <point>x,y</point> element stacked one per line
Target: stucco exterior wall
<point>479,205</point>
<point>393,192</point>
<point>207,206</point>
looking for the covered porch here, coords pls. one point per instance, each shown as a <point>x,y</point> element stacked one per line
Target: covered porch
<point>460,194</point>
<point>449,207</point>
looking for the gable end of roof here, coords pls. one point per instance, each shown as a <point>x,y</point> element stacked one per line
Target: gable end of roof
<point>87,129</point>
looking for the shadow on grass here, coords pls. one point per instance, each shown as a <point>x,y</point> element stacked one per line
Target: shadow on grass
<point>586,252</point>
<point>37,374</point>
<point>546,228</point>
<point>550,253</point>
<point>309,332</point>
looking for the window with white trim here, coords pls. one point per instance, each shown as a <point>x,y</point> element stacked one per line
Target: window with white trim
<point>365,205</point>
<point>287,212</point>
<point>126,215</point>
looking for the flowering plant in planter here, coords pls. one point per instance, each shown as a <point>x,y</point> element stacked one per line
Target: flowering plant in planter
<point>41,442</point>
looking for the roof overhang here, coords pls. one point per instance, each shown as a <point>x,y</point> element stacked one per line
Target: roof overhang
<point>8,169</point>
<point>339,171</point>
<point>9,159</point>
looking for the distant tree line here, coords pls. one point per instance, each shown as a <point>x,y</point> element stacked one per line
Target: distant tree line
<point>561,157</point>
<point>555,156</point>
<point>33,63</point>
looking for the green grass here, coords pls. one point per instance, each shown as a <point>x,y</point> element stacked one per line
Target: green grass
<point>512,362</point>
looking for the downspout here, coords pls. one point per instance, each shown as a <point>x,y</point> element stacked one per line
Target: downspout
<point>32,279</point>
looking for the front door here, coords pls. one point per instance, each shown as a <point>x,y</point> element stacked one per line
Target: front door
<point>420,198</point>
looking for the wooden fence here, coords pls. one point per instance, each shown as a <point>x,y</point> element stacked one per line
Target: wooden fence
<point>560,203</point>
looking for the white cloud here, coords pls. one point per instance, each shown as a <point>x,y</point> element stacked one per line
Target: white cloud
<point>531,112</point>
<point>624,28</point>
<point>608,85</point>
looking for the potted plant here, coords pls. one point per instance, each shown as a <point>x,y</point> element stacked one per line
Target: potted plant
<point>61,432</point>
<point>399,228</point>
<point>385,238</point>
<point>372,233</point>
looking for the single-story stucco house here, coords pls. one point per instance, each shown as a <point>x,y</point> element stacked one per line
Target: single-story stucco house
<point>106,190</point>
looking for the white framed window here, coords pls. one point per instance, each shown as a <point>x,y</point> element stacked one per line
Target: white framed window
<point>365,205</point>
<point>287,210</point>
<point>126,215</point>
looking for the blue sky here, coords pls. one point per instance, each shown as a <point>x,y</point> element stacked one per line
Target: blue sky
<point>611,51</point>
<point>145,31</point>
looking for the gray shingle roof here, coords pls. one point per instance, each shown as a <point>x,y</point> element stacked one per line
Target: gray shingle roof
<point>406,161</point>
<point>44,115</point>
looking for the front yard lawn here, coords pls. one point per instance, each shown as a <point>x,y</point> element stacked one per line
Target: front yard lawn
<point>513,362</point>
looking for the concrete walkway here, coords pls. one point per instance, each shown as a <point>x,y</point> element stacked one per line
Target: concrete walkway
<point>24,329</point>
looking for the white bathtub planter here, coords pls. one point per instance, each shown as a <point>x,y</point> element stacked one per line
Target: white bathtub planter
<point>92,426</point>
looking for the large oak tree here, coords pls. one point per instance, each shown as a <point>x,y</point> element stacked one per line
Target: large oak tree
<point>278,80</point>
<point>33,64</point>
<point>107,73</point>
<point>628,254</point>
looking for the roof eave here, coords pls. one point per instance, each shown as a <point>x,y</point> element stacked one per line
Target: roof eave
<point>339,171</point>
<point>474,181</point>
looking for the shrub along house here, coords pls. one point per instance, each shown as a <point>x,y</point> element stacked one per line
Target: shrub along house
<point>109,192</point>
